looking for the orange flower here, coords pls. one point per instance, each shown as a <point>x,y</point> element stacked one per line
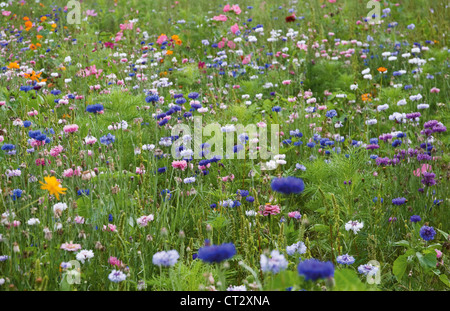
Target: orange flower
<point>13,66</point>
<point>43,18</point>
<point>53,25</point>
<point>382,69</point>
<point>169,52</point>
<point>366,97</point>
<point>26,18</point>
<point>32,47</point>
<point>33,76</point>
<point>39,37</point>
<point>176,39</point>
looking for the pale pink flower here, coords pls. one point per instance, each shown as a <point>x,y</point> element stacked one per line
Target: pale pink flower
<point>110,227</point>
<point>182,165</point>
<point>70,247</point>
<point>236,9</point>
<point>71,128</point>
<point>91,13</point>
<point>220,18</point>
<point>435,90</point>
<point>144,220</point>
<point>246,59</point>
<point>269,209</point>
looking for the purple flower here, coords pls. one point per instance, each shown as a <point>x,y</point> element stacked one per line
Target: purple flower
<point>399,201</point>
<point>313,269</point>
<point>415,218</point>
<point>427,233</point>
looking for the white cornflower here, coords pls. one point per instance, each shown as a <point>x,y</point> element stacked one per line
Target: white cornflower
<point>84,255</point>
<point>354,225</point>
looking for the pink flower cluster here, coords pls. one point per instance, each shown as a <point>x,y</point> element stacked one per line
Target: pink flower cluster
<point>71,128</point>
<point>182,165</point>
<point>269,209</point>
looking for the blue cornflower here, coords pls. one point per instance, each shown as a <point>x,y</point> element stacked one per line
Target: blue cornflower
<point>94,108</point>
<point>415,218</point>
<point>399,201</point>
<point>217,253</point>
<point>107,139</point>
<point>152,98</point>
<point>427,233</point>
<point>288,185</point>
<point>276,109</point>
<point>162,169</point>
<point>250,199</point>
<point>345,259</point>
<point>193,95</point>
<point>243,193</point>
<point>26,124</point>
<point>313,269</point>
<point>8,147</point>
<point>331,113</point>
<point>83,191</point>
<point>16,193</point>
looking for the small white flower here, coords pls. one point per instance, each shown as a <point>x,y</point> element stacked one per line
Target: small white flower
<point>84,255</point>
<point>355,226</point>
<point>117,276</point>
<point>33,221</point>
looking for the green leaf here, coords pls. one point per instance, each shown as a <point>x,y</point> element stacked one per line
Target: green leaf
<point>131,221</point>
<point>446,235</point>
<point>399,267</point>
<point>427,261</point>
<point>402,243</point>
<point>83,207</point>
<point>320,228</point>
<point>444,279</point>
<point>348,280</point>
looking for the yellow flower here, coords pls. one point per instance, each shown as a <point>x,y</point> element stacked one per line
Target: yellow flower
<point>53,186</point>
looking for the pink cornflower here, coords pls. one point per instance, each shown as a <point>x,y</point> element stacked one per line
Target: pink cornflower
<point>114,261</point>
<point>182,165</point>
<point>71,128</point>
<point>55,151</point>
<point>220,18</point>
<point>144,220</point>
<point>235,28</point>
<point>70,247</point>
<point>295,215</point>
<point>269,209</point>
<point>91,13</point>
<point>79,220</point>
<point>110,227</point>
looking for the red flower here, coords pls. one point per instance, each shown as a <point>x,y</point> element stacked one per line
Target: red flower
<point>290,18</point>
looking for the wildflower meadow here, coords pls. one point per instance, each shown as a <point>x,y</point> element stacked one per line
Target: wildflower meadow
<point>293,145</point>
